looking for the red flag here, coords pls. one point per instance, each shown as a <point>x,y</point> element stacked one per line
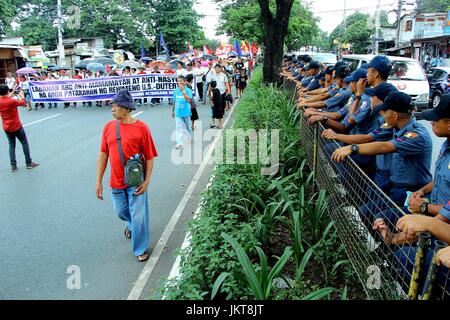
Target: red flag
<point>210,51</point>
<point>254,49</point>
<point>205,49</point>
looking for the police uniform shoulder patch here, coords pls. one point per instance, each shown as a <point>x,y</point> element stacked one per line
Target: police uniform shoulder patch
<point>363,105</point>
<point>411,135</point>
<point>449,168</point>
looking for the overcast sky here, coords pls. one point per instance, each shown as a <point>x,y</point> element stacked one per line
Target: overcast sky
<point>330,12</point>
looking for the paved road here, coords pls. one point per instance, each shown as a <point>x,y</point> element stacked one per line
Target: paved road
<point>51,219</point>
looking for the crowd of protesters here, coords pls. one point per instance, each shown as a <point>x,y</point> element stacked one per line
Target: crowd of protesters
<point>368,120</point>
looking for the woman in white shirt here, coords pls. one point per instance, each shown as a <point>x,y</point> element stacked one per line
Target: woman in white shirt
<point>180,70</point>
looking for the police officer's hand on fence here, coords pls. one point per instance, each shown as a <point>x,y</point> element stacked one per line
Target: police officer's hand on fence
<point>329,134</point>
<point>413,223</point>
<point>443,257</point>
<point>300,106</point>
<point>381,226</point>
<point>99,191</point>
<point>310,112</point>
<point>314,118</point>
<point>340,154</point>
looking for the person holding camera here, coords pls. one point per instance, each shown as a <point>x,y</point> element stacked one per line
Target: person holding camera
<point>128,144</point>
<point>13,127</point>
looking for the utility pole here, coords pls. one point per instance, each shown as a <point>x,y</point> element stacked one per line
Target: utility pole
<point>377,27</point>
<point>157,47</point>
<point>345,17</point>
<point>399,16</point>
<point>62,56</point>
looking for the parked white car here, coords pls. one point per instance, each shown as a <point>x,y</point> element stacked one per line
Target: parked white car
<point>407,75</point>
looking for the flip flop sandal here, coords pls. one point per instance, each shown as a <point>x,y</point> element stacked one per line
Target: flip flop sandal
<point>145,257</point>
<point>127,233</point>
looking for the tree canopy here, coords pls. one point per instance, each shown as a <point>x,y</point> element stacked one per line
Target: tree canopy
<point>429,6</point>
<point>132,21</point>
<point>242,20</point>
<point>358,33</point>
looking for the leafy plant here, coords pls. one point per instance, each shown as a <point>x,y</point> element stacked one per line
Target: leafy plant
<point>260,279</point>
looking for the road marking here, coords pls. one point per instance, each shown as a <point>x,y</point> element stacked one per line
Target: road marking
<point>137,114</point>
<point>157,252</point>
<point>29,124</point>
<point>176,268</point>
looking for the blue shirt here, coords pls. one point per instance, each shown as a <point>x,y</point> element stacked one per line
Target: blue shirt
<point>383,133</point>
<point>306,81</point>
<point>299,77</point>
<point>361,117</point>
<point>333,89</point>
<point>445,211</point>
<point>313,85</point>
<point>412,160</point>
<point>342,112</point>
<point>339,100</point>
<point>440,193</point>
<point>182,107</point>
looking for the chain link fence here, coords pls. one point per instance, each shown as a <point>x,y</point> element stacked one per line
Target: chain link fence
<point>386,271</point>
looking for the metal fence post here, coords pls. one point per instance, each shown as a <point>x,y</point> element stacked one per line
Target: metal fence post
<point>315,156</point>
<point>422,249</point>
<point>431,276</point>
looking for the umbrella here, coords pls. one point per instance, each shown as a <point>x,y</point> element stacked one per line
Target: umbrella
<point>146,59</point>
<point>130,63</point>
<point>26,71</point>
<point>174,63</point>
<point>94,66</point>
<point>49,65</point>
<point>58,68</point>
<point>160,64</point>
<point>83,63</point>
<point>208,56</point>
<point>104,60</point>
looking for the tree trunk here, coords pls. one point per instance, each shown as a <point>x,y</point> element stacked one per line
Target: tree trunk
<point>275,31</point>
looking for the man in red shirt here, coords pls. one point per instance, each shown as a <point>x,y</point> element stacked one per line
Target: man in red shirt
<point>13,127</point>
<point>130,203</point>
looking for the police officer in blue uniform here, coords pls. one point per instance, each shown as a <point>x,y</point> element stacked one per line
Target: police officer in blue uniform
<point>411,147</point>
<point>323,94</point>
<point>312,69</point>
<point>340,98</point>
<point>440,186</point>
<point>380,132</point>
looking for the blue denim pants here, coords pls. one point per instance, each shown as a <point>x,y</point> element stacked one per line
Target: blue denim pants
<point>183,127</point>
<point>135,211</point>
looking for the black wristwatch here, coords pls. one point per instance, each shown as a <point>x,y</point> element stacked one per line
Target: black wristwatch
<point>357,97</point>
<point>424,207</point>
<point>324,118</point>
<point>355,148</point>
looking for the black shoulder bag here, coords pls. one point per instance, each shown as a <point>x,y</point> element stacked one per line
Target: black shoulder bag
<point>133,168</point>
<point>204,76</point>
